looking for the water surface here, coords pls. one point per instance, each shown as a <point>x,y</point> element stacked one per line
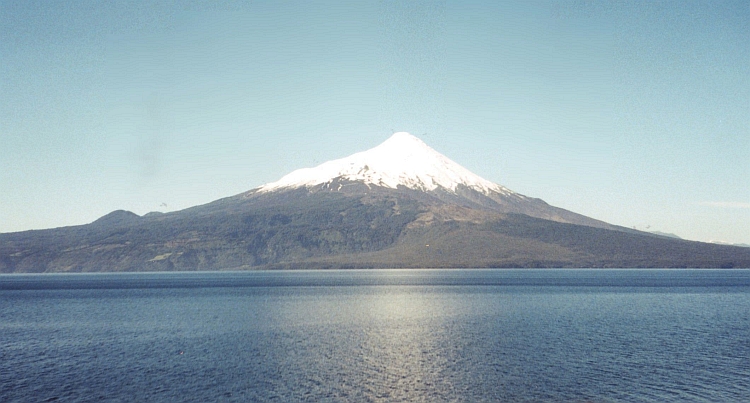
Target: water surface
<point>386,335</point>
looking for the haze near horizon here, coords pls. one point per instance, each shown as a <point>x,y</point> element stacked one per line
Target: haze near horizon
<point>634,114</point>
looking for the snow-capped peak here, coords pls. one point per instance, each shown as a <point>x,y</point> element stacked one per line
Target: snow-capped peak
<point>401,160</point>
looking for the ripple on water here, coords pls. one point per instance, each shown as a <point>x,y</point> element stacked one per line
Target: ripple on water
<point>375,343</point>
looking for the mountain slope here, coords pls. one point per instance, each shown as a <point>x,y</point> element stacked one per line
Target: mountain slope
<point>300,229</point>
<point>411,207</point>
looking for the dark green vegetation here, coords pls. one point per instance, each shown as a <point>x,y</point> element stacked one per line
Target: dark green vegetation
<point>332,229</point>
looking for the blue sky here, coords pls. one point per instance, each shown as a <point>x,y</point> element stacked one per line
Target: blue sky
<point>636,113</point>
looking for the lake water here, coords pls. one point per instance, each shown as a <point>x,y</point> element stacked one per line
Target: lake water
<point>386,335</point>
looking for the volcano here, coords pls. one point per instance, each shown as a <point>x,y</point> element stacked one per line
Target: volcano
<point>400,204</point>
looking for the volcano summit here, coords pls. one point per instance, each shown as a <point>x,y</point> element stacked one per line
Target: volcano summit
<point>402,160</point>
<point>405,163</point>
<point>400,204</point>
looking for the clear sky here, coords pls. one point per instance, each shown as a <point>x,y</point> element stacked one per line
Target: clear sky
<point>636,113</point>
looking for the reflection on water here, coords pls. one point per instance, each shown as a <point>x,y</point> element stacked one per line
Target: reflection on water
<point>483,340</point>
<point>381,343</point>
<point>403,356</point>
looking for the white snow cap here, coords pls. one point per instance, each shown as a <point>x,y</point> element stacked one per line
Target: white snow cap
<point>401,160</point>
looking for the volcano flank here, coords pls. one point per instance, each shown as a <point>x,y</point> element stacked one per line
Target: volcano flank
<point>400,204</point>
